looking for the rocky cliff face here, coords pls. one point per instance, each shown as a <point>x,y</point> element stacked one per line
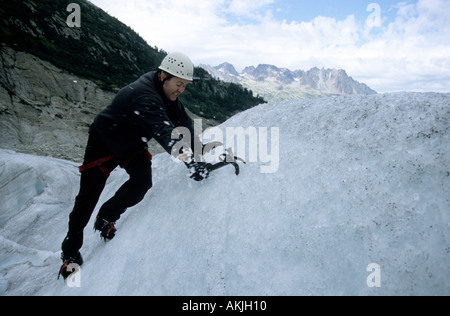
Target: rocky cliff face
<point>43,109</point>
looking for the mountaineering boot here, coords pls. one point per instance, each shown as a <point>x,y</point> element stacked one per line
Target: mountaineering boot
<point>107,229</point>
<point>70,265</point>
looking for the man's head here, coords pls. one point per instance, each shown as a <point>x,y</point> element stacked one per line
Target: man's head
<point>177,72</point>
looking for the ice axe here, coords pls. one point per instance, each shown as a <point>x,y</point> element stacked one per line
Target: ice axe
<point>201,171</point>
<point>226,159</point>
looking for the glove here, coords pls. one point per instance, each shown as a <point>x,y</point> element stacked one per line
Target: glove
<point>199,170</point>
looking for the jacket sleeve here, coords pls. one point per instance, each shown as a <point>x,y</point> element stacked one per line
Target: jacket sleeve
<point>156,123</point>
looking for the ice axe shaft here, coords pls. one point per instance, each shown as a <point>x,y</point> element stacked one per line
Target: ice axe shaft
<point>226,159</point>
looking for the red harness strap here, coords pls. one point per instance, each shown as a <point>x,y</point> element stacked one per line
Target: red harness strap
<point>98,163</point>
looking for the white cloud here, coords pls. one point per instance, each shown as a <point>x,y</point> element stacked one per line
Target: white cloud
<point>248,8</point>
<point>411,52</point>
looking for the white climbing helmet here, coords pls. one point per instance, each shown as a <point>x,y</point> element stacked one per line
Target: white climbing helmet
<point>178,65</point>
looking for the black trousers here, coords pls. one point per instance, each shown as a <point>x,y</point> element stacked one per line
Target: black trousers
<point>93,182</point>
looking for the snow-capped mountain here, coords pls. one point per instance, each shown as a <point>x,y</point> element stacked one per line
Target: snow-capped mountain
<point>276,84</point>
<point>358,204</point>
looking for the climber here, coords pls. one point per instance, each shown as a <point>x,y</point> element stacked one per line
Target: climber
<point>148,108</point>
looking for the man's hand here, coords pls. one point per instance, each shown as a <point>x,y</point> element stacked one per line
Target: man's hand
<point>199,170</point>
<point>186,156</point>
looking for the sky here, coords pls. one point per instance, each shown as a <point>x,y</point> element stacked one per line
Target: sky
<point>391,45</point>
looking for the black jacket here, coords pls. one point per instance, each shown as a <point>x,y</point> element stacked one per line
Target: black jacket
<point>138,113</point>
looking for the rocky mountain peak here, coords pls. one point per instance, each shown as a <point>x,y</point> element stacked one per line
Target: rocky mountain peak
<point>275,84</point>
<point>227,68</point>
